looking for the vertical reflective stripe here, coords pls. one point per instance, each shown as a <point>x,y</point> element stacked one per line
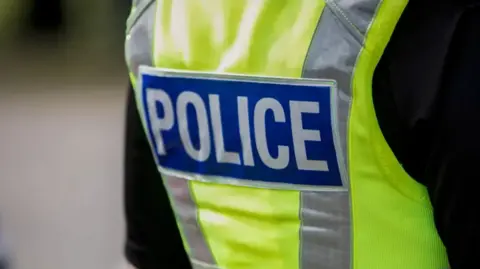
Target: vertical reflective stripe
<point>138,44</point>
<point>139,41</point>
<point>186,212</point>
<point>334,57</point>
<point>326,231</point>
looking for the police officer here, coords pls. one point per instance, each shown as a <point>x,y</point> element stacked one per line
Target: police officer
<point>303,134</point>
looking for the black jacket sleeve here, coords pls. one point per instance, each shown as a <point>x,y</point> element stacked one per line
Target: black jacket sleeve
<point>451,166</point>
<point>427,97</point>
<point>153,239</point>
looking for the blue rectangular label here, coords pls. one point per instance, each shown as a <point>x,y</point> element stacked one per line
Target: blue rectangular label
<point>269,131</point>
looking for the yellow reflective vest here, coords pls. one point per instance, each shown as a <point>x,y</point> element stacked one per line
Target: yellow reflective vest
<point>229,90</point>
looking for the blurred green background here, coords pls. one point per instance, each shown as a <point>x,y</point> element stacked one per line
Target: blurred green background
<point>62,93</point>
<point>99,22</point>
<point>92,29</point>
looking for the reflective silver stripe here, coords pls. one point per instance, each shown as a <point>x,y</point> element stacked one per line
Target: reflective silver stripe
<point>326,230</point>
<point>138,44</point>
<point>138,52</point>
<point>245,183</point>
<point>186,213</point>
<point>332,54</point>
<point>138,9</point>
<point>200,265</point>
<point>358,13</point>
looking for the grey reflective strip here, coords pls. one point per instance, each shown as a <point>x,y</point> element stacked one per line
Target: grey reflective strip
<point>332,54</point>
<point>138,52</point>
<point>358,13</point>
<point>201,265</point>
<point>138,9</point>
<point>186,213</point>
<point>138,44</point>
<point>326,230</point>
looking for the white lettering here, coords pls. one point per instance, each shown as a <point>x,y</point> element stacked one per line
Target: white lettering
<point>300,135</point>
<point>162,119</point>
<point>244,129</point>
<point>261,108</point>
<point>159,124</point>
<point>222,155</point>
<point>184,99</point>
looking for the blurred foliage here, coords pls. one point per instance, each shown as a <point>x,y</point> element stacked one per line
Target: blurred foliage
<point>80,37</point>
<point>11,13</point>
<point>101,22</point>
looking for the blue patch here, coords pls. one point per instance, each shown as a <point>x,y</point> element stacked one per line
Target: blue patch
<point>276,131</point>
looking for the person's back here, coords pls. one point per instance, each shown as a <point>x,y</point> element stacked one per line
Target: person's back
<point>262,123</point>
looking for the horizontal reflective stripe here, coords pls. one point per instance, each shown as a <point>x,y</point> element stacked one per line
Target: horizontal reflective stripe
<point>248,183</point>
<point>248,130</point>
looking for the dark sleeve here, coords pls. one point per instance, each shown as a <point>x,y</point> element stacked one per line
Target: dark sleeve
<point>427,97</point>
<point>451,170</point>
<point>153,239</point>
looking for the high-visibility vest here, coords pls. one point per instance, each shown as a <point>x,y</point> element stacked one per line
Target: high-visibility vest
<point>236,79</point>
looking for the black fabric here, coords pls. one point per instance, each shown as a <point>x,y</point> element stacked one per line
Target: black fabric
<point>153,239</point>
<point>427,100</point>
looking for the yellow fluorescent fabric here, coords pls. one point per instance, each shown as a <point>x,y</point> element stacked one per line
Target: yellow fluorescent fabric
<point>249,228</point>
<point>244,227</point>
<point>383,195</point>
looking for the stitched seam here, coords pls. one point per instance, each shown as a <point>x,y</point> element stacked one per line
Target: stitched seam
<point>336,7</point>
<point>344,20</point>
